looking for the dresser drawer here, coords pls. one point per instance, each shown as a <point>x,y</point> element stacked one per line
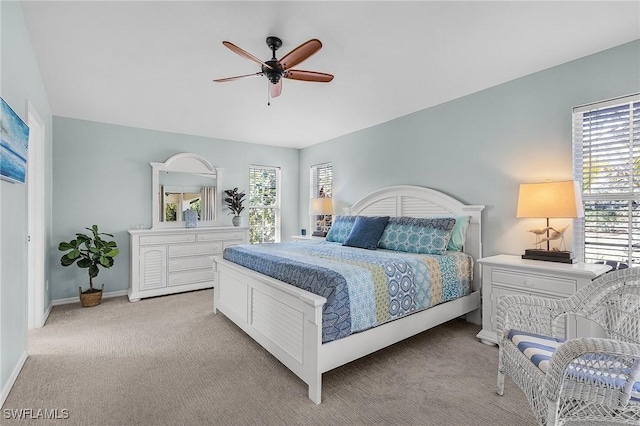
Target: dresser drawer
<point>182,278</point>
<point>533,282</point>
<point>187,263</point>
<point>168,238</point>
<point>215,236</point>
<point>195,249</point>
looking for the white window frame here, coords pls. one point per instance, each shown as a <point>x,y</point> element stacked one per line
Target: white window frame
<point>276,206</point>
<point>320,176</point>
<point>590,245</point>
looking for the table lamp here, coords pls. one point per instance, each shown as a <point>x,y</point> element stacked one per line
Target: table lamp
<point>550,200</point>
<point>322,206</point>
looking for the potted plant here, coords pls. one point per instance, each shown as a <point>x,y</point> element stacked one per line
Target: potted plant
<point>89,251</point>
<point>234,201</point>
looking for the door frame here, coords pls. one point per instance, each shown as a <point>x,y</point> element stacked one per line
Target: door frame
<point>37,285</point>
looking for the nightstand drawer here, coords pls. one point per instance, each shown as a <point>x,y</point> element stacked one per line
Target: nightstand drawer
<point>533,282</point>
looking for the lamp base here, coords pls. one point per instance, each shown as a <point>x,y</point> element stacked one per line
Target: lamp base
<point>550,255</point>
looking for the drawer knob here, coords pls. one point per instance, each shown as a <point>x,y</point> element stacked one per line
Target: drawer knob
<point>528,283</point>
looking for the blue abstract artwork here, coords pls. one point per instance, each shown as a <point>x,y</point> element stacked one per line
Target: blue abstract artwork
<point>14,141</point>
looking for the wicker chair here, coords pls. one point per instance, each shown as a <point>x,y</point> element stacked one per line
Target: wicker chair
<point>587,380</point>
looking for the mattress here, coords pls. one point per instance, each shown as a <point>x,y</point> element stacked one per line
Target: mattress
<point>363,288</point>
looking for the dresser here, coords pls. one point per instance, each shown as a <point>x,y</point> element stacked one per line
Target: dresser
<point>167,261</point>
<point>506,274</point>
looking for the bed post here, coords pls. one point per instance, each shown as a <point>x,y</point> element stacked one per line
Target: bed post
<point>313,345</point>
<point>216,287</point>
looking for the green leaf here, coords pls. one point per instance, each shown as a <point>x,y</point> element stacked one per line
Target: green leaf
<point>112,253</point>
<point>65,246</point>
<point>85,263</point>
<point>66,261</point>
<point>82,239</point>
<point>73,254</point>
<point>93,271</point>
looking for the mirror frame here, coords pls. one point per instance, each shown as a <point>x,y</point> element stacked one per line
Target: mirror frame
<point>184,163</point>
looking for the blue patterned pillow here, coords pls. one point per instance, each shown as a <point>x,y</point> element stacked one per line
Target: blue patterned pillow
<point>340,229</point>
<point>366,232</point>
<point>417,235</point>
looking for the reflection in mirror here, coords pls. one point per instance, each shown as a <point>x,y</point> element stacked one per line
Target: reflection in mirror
<point>175,203</point>
<point>185,182</point>
<point>181,191</point>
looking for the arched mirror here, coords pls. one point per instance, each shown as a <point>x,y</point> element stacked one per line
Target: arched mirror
<point>186,185</point>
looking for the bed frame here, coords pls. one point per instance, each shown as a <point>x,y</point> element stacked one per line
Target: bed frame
<point>287,321</point>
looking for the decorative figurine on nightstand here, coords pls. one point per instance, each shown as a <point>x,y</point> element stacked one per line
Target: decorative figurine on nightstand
<point>556,235</point>
<point>538,232</point>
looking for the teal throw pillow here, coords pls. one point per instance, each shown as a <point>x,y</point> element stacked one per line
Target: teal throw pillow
<point>340,229</point>
<point>458,233</point>
<point>417,235</point>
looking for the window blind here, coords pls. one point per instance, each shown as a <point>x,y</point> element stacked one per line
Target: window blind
<point>320,185</point>
<point>321,179</point>
<point>606,159</point>
<point>264,204</point>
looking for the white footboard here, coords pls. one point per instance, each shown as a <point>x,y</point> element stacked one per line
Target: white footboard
<point>284,319</point>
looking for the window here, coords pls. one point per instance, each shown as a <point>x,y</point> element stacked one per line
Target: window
<point>264,204</point>
<point>320,185</point>
<point>606,159</point>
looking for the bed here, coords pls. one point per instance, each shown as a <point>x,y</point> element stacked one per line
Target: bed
<point>288,321</point>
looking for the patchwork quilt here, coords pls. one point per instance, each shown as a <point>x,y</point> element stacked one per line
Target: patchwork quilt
<point>363,288</point>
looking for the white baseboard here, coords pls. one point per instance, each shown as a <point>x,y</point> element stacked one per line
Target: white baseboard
<point>12,378</point>
<point>77,299</point>
<point>46,314</point>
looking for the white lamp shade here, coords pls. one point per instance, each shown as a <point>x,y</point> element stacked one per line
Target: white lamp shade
<point>550,199</point>
<point>320,206</point>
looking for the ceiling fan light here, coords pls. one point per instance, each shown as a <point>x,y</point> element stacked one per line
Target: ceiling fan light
<point>275,89</point>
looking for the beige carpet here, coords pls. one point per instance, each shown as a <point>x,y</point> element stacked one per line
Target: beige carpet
<point>170,361</point>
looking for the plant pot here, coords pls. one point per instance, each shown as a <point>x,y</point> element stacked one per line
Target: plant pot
<point>88,300</point>
<point>237,221</point>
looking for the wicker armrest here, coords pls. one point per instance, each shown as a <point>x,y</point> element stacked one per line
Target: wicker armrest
<point>594,369</point>
<point>528,313</point>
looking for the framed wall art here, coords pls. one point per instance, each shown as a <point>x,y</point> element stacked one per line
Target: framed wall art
<point>14,143</point>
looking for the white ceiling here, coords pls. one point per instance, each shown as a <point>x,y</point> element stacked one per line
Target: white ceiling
<point>150,64</point>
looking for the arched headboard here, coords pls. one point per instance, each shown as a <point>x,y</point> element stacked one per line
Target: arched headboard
<point>418,201</point>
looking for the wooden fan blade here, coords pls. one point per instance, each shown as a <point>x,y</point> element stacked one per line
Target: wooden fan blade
<point>275,89</point>
<point>300,53</point>
<point>319,77</point>
<point>222,80</point>
<point>245,54</point>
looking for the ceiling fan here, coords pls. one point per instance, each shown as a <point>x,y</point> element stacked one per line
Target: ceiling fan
<point>277,69</point>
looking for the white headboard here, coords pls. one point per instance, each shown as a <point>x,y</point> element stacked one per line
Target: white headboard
<point>418,201</point>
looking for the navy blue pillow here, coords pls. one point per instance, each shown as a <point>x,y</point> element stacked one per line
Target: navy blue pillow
<point>366,232</point>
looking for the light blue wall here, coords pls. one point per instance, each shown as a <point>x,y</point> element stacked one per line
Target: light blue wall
<point>102,176</point>
<point>20,82</point>
<point>479,148</point>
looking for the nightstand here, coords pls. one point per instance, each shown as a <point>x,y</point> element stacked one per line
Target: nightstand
<point>306,238</point>
<point>506,274</point>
